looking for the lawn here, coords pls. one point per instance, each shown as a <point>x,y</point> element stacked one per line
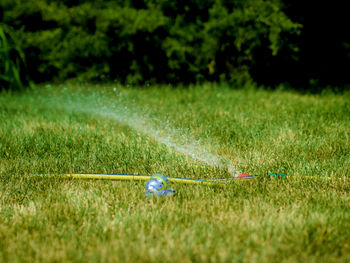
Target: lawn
<point>203,131</point>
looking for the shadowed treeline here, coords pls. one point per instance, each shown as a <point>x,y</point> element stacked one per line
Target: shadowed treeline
<point>155,41</point>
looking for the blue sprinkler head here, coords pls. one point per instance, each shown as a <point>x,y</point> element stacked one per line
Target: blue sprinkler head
<point>156,186</point>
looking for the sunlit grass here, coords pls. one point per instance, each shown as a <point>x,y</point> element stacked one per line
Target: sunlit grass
<point>110,129</point>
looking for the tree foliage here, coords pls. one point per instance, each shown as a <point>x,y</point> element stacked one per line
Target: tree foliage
<point>138,41</point>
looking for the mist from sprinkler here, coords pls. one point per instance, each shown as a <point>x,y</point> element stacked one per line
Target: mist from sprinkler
<point>177,139</point>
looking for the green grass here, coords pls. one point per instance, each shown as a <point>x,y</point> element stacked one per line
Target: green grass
<point>111,129</point>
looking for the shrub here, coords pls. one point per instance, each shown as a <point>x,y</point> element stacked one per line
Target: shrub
<point>148,41</point>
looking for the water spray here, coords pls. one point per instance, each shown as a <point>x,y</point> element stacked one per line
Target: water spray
<point>173,138</point>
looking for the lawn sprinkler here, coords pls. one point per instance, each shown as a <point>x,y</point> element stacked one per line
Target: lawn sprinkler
<point>157,185</point>
<point>141,177</point>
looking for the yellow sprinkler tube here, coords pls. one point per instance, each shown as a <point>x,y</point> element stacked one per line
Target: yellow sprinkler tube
<point>134,177</point>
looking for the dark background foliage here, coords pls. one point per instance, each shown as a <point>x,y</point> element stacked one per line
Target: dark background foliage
<point>158,41</point>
